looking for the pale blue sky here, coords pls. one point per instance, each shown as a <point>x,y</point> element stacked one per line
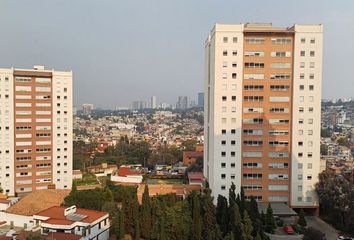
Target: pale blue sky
<point>121,51</point>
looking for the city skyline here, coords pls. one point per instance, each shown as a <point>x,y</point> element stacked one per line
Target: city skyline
<point>67,38</point>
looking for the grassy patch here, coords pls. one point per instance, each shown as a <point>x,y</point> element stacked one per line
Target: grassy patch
<point>87,179</point>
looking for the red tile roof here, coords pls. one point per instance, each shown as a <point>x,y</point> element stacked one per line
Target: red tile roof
<point>124,171</point>
<point>56,215</point>
<point>62,236</point>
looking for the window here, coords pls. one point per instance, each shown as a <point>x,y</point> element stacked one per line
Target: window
<point>233,131</point>
<point>223,131</point>
<point>303,40</point>
<point>253,87</point>
<point>234,53</point>
<point>223,154</point>
<point>223,109</point>
<point>302,76</point>
<point>299,187</point>
<point>224,86</point>
<point>301,87</point>
<point>233,142</point>
<point>224,76</point>
<point>223,142</point>
<point>223,176</point>
<point>312,76</point>
<point>233,98</point>
<point>254,40</point>
<point>300,143</point>
<point>312,40</point>
<point>224,98</point>
<point>312,65</point>
<point>223,187</point>
<point>253,76</point>
<point>280,54</point>
<point>299,177</point>
<point>254,65</point>
<point>302,65</point>
<point>302,53</point>
<point>224,53</point>
<point>280,76</point>
<point>234,65</point>
<point>234,39</point>
<point>310,121</point>
<point>252,165</point>
<point>300,154</point>
<point>280,65</point>
<point>301,109</point>
<point>309,166</point>
<point>254,54</point>
<point>234,75</point>
<point>223,120</point>
<point>281,40</point>
<point>233,165</point>
<point>223,165</point>
<point>311,87</point>
<point>224,64</point>
<point>311,109</point>
<point>309,177</point>
<point>225,39</point>
<point>312,53</point>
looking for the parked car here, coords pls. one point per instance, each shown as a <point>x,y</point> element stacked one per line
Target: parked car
<point>289,230</point>
<point>344,238</point>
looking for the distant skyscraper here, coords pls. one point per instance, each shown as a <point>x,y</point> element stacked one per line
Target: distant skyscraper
<point>153,102</point>
<point>263,112</point>
<point>139,105</point>
<point>87,109</point>
<point>36,129</point>
<point>201,100</point>
<point>183,102</point>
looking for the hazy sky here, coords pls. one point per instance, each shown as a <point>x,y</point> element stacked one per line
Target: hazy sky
<point>122,51</point>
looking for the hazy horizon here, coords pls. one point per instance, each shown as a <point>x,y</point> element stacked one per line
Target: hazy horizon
<point>122,51</point>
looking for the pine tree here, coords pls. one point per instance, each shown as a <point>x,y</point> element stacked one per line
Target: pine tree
<point>232,194</point>
<point>229,236</point>
<point>210,229</point>
<point>137,230</point>
<point>247,227</point>
<point>255,216</point>
<point>145,215</point>
<point>121,227</point>
<point>258,237</point>
<point>270,222</point>
<point>302,221</point>
<point>222,214</point>
<point>235,220</point>
<point>196,227</point>
<point>242,202</point>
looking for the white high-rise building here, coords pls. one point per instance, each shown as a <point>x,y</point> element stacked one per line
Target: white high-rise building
<point>153,102</point>
<point>35,129</point>
<point>262,111</point>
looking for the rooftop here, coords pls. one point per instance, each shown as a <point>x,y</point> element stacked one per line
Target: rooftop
<point>57,215</point>
<point>38,201</point>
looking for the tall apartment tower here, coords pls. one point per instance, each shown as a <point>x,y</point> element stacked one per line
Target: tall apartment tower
<point>153,102</point>
<point>262,111</point>
<point>35,129</point>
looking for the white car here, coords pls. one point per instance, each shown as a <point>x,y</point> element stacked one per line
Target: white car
<point>344,238</point>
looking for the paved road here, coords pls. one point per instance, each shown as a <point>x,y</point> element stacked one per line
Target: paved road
<point>319,224</point>
<point>315,222</point>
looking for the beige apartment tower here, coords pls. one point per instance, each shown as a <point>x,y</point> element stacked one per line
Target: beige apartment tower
<point>35,130</point>
<point>263,111</point>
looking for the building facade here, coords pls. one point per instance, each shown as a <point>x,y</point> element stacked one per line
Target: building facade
<point>201,99</point>
<point>153,102</point>
<point>262,111</point>
<point>35,129</point>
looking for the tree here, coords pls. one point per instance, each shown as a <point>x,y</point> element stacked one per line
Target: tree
<point>325,133</point>
<point>324,149</point>
<point>196,226</point>
<point>33,237</point>
<point>222,214</point>
<point>235,219</point>
<point>121,228</point>
<point>258,237</point>
<point>313,234</point>
<point>210,230</point>
<point>146,218</point>
<point>229,236</point>
<point>302,221</point>
<point>247,227</point>
<point>269,221</point>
